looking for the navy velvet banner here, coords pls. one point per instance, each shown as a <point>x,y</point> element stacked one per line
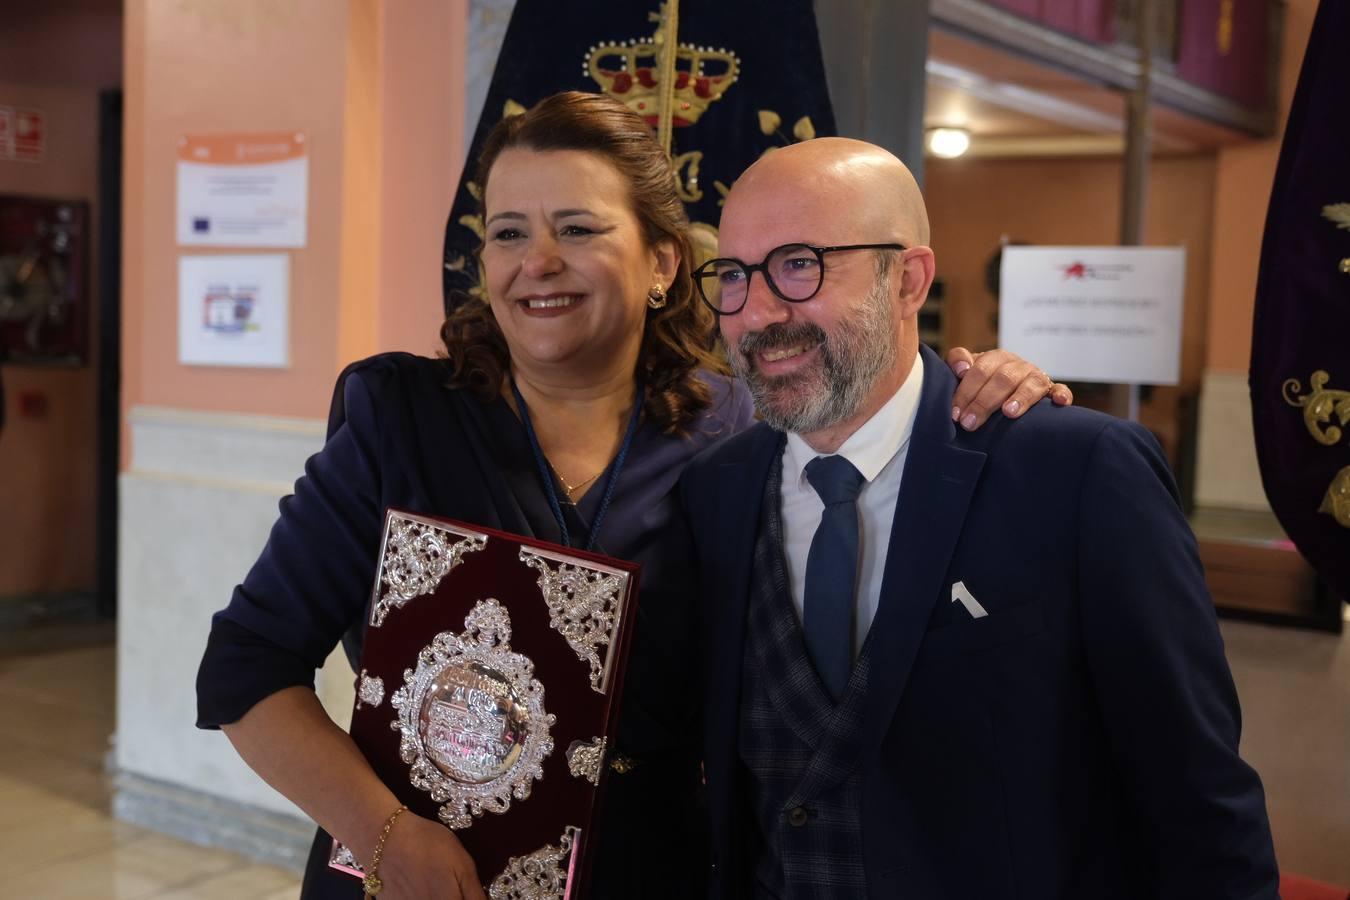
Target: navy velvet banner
<point>1300,372</point>
<point>749,77</point>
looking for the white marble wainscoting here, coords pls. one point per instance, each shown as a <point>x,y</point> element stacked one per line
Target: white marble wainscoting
<point>196,506</point>
<point>1226,473</point>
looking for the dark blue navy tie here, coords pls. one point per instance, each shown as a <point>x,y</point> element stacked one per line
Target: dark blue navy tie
<point>832,571</point>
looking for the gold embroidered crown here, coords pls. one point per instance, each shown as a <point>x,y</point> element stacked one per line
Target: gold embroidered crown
<point>629,72</point>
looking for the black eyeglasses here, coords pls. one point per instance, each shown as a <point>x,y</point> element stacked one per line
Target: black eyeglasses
<point>794,272</point>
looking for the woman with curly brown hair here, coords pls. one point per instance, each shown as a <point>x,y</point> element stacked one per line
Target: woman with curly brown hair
<point>570,399</point>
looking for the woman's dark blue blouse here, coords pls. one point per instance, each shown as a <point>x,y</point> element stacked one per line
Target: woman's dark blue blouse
<point>399,436</point>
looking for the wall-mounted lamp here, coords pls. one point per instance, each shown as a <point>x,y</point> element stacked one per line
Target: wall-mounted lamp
<point>948,143</point>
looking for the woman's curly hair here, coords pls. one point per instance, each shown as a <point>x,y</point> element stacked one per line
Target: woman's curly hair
<point>678,338</point>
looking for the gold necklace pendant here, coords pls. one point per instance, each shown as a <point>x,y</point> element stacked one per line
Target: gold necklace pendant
<point>571,489</point>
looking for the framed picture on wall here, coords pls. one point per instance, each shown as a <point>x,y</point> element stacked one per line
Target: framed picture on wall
<point>44,280</point>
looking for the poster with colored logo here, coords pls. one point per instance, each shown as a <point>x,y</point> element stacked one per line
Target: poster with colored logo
<point>243,190</point>
<point>1110,314</point>
<point>234,310</point>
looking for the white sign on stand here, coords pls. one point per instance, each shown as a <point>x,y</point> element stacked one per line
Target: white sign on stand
<point>234,310</point>
<point>243,190</point>
<point>1110,314</point>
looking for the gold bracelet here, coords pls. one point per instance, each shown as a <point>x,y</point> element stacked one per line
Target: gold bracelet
<point>371,883</point>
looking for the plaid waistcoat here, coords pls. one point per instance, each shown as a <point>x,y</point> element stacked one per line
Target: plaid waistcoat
<point>798,745</point>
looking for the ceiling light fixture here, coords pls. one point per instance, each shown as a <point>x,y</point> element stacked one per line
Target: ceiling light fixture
<point>948,143</point>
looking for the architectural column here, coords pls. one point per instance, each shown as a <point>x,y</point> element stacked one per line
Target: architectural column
<point>875,51</point>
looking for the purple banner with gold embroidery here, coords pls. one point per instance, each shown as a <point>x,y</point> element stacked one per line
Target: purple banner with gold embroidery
<point>1091,20</point>
<point>1222,46</point>
<point>748,77</point>
<point>1300,372</point>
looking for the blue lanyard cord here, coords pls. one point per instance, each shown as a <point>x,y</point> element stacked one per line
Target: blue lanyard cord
<point>547,477</point>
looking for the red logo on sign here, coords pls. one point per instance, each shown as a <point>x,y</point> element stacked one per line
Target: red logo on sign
<point>1077,270</point>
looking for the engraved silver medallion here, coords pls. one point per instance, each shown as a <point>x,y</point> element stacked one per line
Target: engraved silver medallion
<point>473,723</point>
<point>472,720</point>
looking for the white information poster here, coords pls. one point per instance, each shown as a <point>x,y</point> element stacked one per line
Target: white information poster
<point>1109,314</point>
<point>243,190</point>
<point>234,310</point>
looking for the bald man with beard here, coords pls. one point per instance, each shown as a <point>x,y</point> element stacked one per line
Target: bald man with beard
<point>940,663</point>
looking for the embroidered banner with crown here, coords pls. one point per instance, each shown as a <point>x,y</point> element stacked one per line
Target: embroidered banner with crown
<point>744,77</point>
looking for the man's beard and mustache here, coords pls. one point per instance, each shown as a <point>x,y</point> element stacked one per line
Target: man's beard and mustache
<point>861,349</point>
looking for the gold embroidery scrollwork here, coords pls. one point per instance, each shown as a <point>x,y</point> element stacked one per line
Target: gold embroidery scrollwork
<point>686,175</point>
<point>1337,501</point>
<point>1338,214</point>
<point>1319,405</point>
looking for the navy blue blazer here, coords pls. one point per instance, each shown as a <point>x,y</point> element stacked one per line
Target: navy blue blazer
<point>400,437</point>
<point>1080,741</point>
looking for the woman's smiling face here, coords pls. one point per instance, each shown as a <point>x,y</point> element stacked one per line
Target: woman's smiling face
<point>566,264</point>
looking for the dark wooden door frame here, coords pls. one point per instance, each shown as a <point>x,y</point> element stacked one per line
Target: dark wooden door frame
<point>109,371</point>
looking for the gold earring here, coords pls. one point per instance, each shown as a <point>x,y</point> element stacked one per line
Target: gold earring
<point>656,297</point>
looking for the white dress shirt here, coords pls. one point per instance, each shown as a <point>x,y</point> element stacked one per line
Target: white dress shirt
<point>877,450</point>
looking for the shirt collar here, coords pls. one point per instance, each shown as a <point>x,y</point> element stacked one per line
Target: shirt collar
<point>876,442</point>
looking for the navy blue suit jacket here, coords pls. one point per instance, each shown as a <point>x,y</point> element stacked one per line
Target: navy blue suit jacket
<point>1080,741</point>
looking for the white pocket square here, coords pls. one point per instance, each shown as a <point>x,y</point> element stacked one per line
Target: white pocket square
<point>962,593</point>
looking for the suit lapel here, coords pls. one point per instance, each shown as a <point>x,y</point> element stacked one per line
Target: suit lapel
<point>935,491</point>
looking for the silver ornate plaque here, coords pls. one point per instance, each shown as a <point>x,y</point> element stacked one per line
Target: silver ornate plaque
<point>472,719</point>
<point>542,875</point>
<point>417,554</point>
<point>584,603</point>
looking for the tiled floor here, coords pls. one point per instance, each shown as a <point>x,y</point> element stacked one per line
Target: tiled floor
<point>56,687</point>
<point>59,841</point>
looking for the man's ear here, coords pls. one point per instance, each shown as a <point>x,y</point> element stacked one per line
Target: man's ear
<point>916,277</point>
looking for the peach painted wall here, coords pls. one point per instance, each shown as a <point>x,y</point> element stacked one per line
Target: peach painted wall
<point>199,66</point>
<point>422,112</point>
<point>973,202</point>
<point>1242,191</point>
<point>55,59</point>
<point>377,85</point>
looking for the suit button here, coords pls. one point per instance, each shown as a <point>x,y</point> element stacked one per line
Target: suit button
<point>797,816</point>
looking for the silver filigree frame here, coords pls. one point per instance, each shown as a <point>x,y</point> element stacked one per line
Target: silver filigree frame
<point>415,554</point>
<point>342,859</point>
<point>542,875</point>
<point>485,641</point>
<point>585,604</point>
<point>586,759</point>
<point>369,690</point>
